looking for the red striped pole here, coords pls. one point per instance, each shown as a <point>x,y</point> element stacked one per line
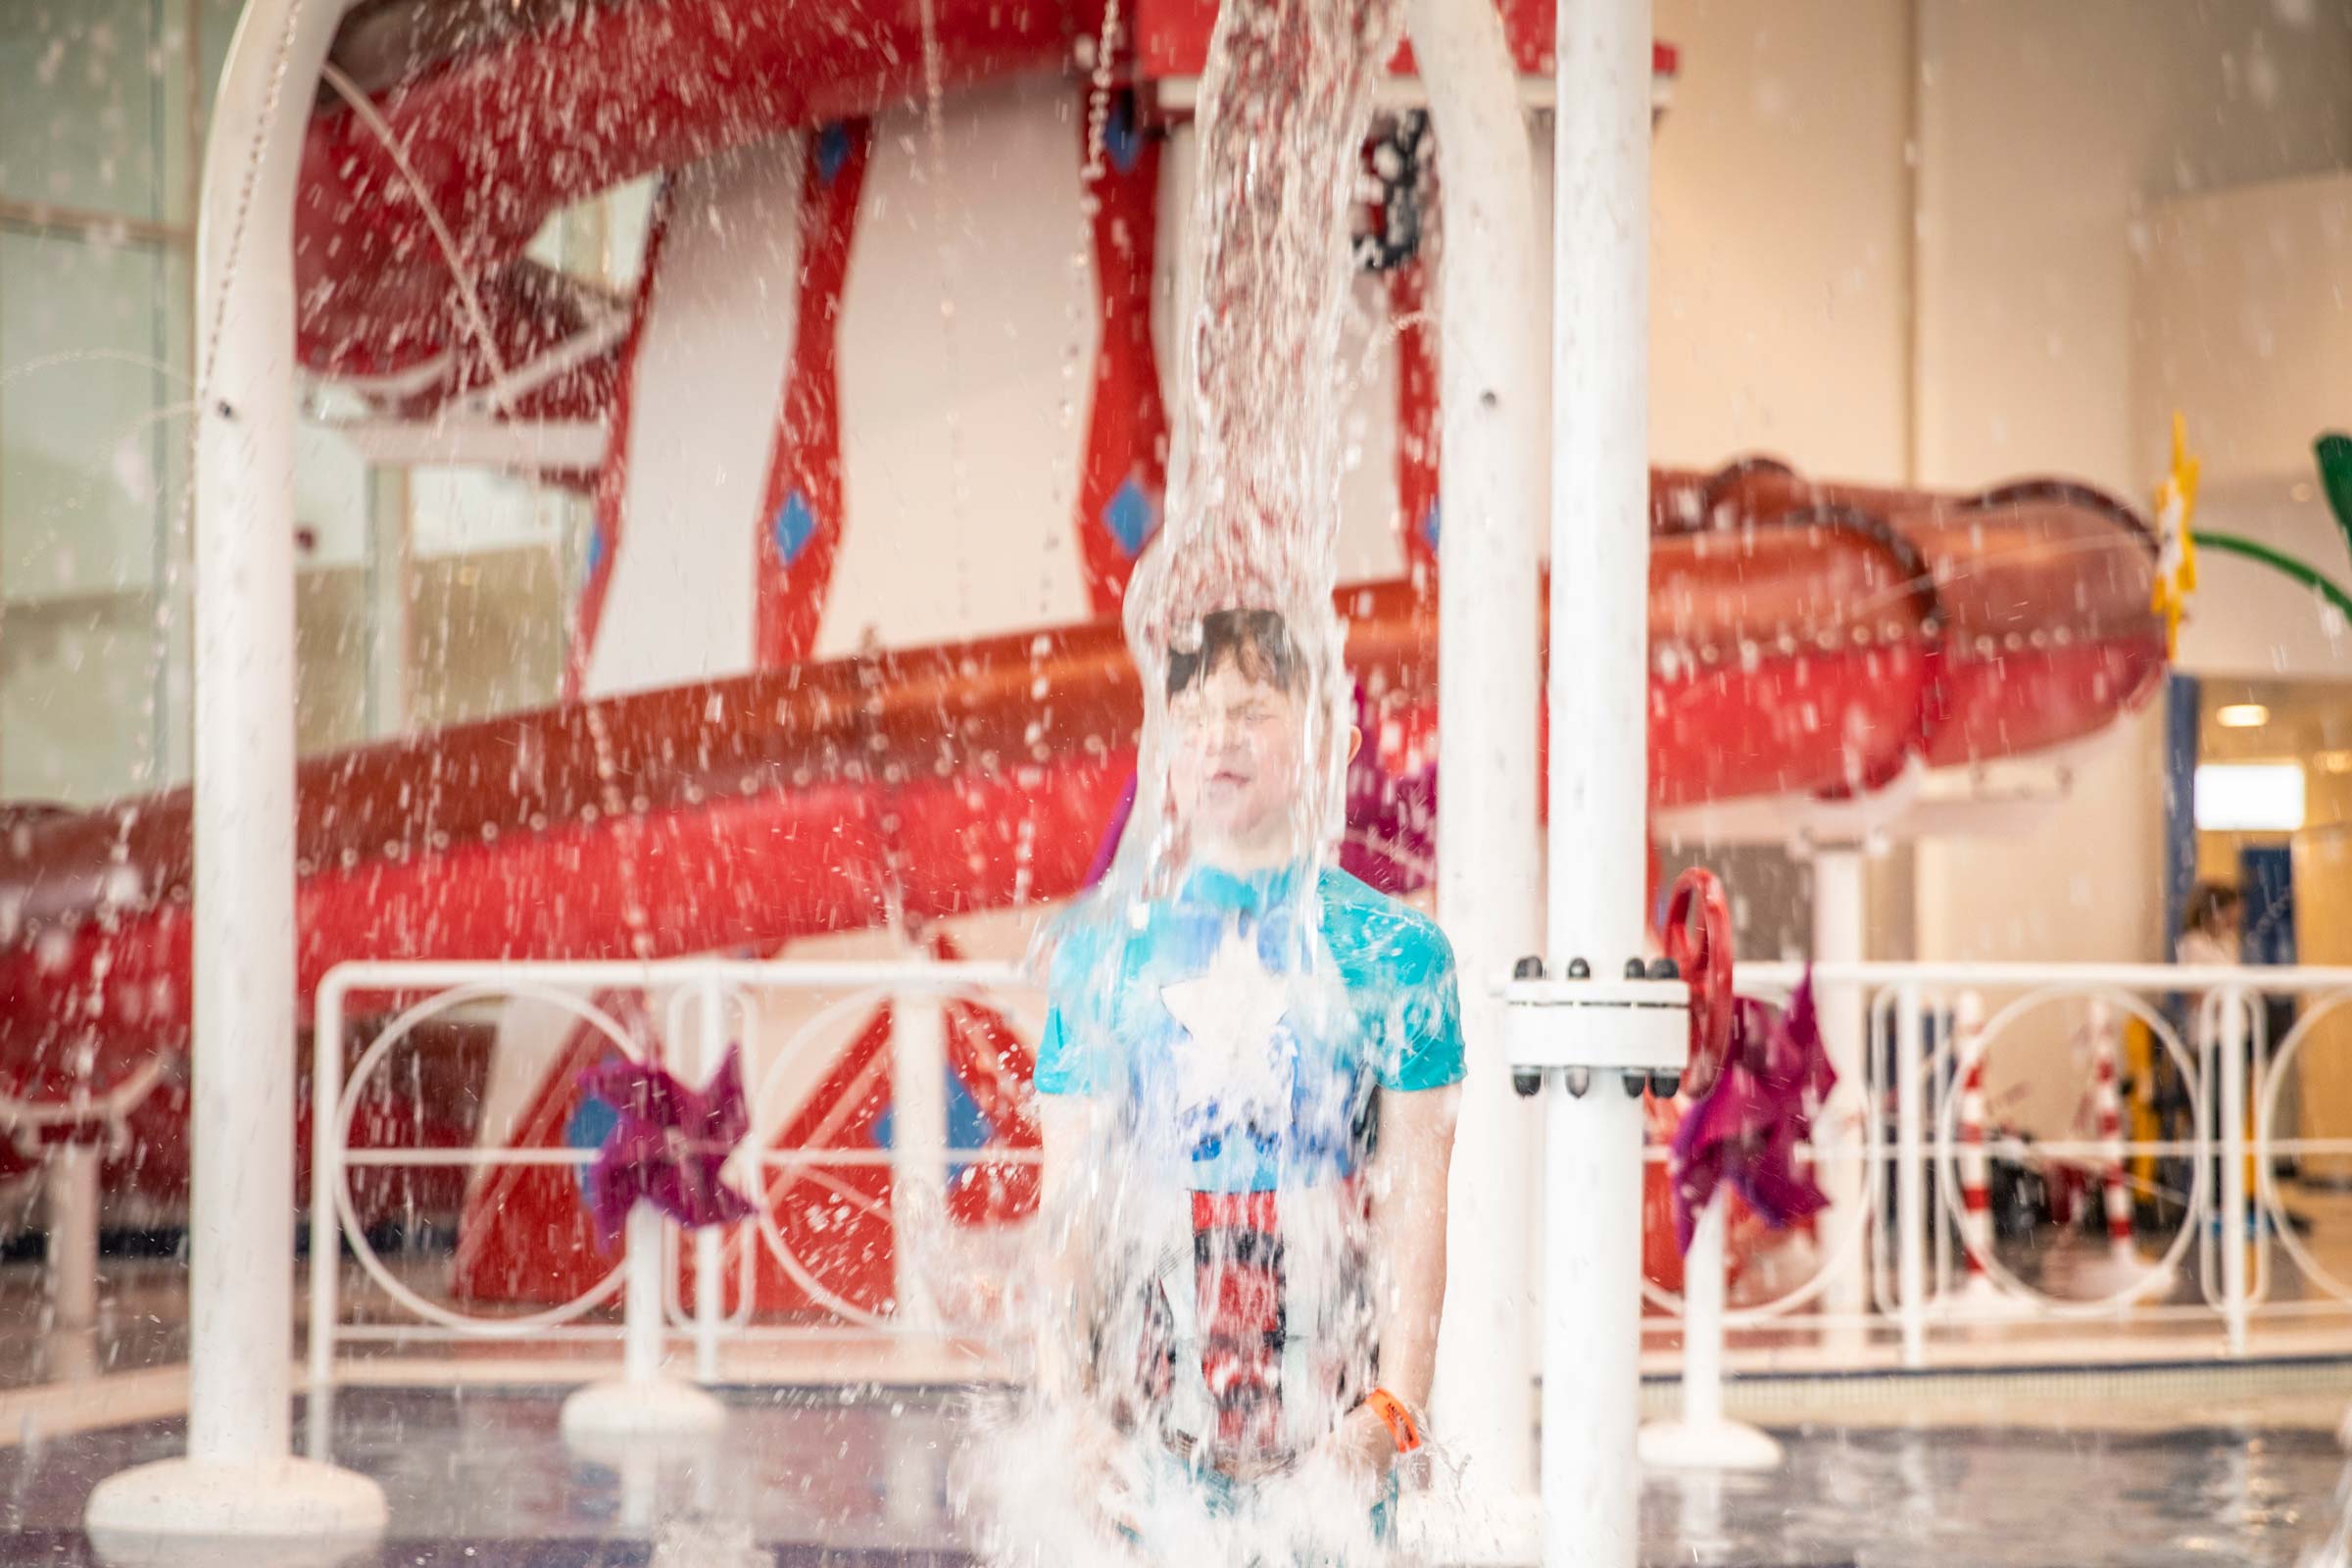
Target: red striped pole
<point>1980,1294</point>
<point>1976,1167</point>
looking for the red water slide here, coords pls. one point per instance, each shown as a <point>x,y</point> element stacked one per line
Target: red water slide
<point>1805,638</point>
<point>506,114</point>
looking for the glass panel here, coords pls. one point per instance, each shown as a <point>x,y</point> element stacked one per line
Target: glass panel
<point>77,699</point>
<point>89,413</point>
<point>84,104</point>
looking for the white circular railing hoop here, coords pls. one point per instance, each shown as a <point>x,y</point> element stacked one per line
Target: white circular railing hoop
<point>2265,1119</point>
<point>1947,1169</point>
<point>346,1205</point>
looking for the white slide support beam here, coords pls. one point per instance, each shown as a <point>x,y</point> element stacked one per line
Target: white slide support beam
<point>1599,766</point>
<point>239,1477</point>
<point>1491,474</point>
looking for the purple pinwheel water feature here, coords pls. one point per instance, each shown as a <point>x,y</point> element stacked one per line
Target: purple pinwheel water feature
<point>1747,1129</point>
<point>667,1145</point>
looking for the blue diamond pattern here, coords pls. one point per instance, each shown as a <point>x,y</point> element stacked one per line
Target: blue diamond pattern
<point>832,150</point>
<point>596,548</point>
<point>796,525</point>
<point>1132,516</point>
<point>1429,524</point>
<point>588,1128</point>
<point>1119,136</point>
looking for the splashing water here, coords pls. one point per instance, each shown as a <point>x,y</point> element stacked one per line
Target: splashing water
<point>1211,1210</point>
<point>1254,493</point>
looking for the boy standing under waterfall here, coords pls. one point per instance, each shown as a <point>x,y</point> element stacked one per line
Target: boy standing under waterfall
<point>1247,1093</point>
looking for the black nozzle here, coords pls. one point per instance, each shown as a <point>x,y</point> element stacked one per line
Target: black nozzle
<point>1632,968</point>
<point>1530,967</point>
<point>1579,969</point>
<point>1526,1082</point>
<point>1664,969</point>
<point>1665,1085</point>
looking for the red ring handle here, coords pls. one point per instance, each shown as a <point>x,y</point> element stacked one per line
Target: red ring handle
<point>1698,939</point>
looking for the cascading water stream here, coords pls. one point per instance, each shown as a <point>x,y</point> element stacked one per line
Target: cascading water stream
<point>1251,523</point>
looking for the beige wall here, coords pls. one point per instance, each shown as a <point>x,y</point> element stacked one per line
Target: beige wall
<point>1779,249</point>
<point>2049,132</point>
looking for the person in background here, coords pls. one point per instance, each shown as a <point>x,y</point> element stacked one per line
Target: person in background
<point>2213,925</point>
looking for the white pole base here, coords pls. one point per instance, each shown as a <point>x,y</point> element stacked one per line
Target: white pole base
<point>649,1407</point>
<point>1477,1529</point>
<point>1981,1300</point>
<point>138,1514</point>
<point>1707,1446</point>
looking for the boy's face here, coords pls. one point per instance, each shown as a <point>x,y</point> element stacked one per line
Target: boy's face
<point>1236,771</point>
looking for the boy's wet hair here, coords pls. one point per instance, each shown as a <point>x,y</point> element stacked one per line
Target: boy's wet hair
<point>1256,642</point>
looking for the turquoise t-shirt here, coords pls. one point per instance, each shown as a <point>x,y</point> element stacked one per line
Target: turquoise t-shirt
<point>1240,1048</point>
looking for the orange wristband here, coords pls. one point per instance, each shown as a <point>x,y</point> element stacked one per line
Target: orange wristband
<point>1397,1418</point>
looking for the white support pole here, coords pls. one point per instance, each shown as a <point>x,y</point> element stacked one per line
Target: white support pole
<point>326,1222</point>
<point>239,1476</point>
<point>1491,474</point>
<point>70,1195</point>
<point>643,1235</point>
<point>708,1263</point>
<point>1598,782</point>
<point>646,1400</point>
<point>1911,1174</point>
<point>2236,1297</point>
<point>918,1146</point>
<point>1837,938</point>
<point>1703,1440</point>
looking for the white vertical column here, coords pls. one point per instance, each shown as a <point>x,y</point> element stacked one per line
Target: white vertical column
<point>239,1476</point>
<point>1703,1439</point>
<point>641,1328</point>
<point>708,1282</point>
<point>1600,772</point>
<point>919,1146</point>
<point>1490,474</point>
<point>1911,1173</point>
<point>1837,938</point>
<point>2231,1065</point>
<point>70,1194</point>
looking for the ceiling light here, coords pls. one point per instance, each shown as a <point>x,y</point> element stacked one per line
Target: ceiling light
<point>2249,797</point>
<point>2336,761</point>
<point>2242,715</point>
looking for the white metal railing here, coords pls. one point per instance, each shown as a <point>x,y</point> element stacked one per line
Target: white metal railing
<point>1890,1029</point>
<point>1912,1065</point>
<point>706,1005</point>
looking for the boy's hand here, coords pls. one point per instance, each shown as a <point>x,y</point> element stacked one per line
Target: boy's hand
<point>1361,1446</point>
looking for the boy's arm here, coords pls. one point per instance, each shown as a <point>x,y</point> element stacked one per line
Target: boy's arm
<point>1064,1124</point>
<point>1407,1178</point>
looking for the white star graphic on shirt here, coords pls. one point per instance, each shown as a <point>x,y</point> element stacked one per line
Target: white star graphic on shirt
<point>1230,1009</point>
